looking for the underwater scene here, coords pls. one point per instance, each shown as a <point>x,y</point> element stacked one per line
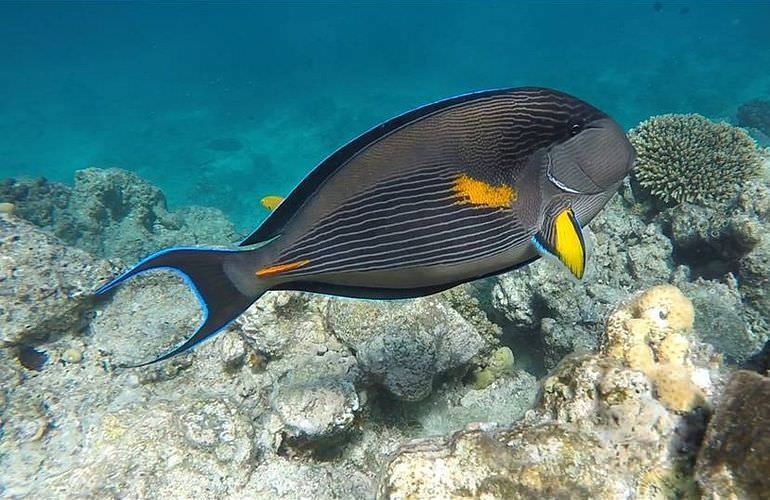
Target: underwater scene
<point>391,250</point>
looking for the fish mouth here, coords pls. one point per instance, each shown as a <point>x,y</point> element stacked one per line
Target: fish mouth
<point>591,162</point>
<point>564,187</point>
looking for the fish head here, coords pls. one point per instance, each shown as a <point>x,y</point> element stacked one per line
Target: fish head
<point>594,157</point>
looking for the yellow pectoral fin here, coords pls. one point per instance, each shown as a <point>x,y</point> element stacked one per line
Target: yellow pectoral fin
<point>570,248</point>
<point>562,237</point>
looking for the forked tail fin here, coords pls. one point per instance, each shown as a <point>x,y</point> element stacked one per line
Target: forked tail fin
<point>204,271</point>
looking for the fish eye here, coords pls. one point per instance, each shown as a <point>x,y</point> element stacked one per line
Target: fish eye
<point>575,129</point>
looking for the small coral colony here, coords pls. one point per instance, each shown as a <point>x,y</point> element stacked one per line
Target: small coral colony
<point>688,158</point>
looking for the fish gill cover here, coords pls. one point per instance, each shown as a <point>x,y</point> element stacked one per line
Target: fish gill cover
<point>126,128</point>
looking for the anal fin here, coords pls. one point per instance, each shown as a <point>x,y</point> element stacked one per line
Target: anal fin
<point>562,236</point>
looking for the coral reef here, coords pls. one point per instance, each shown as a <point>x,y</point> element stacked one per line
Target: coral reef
<point>287,403</point>
<point>318,397</point>
<point>223,427</point>
<point>759,361</point>
<point>687,158</point>
<point>277,405</point>
<point>113,213</point>
<point>735,457</point>
<point>722,320</point>
<point>575,442</point>
<point>725,249</point>
<point>35,200</point>
<point>714,254</point>
<point>711,238</point>
<point>639,389</point>
<point>541,305</point>
<point>754,270</point>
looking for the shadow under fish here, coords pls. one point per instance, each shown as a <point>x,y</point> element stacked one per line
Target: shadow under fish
<point>454,191</point>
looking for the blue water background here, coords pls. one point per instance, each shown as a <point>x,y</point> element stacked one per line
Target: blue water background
<point>147,87</point>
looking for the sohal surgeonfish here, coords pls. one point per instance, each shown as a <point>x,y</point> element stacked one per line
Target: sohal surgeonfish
<point>457,190</point>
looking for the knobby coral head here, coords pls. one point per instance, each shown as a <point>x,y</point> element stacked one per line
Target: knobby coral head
<point>688,158</point>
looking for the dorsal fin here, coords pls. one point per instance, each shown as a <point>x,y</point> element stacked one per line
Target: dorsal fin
<point>273,225</point>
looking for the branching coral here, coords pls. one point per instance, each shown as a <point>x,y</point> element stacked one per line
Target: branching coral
<point>649,334</point>
<point>688,158</point>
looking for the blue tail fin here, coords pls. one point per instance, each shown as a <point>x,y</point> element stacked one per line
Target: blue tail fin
<point>204,272</point>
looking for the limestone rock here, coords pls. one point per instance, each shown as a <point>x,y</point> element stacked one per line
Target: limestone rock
<point>720,319</point>
<point>199,445</point>
<point>317,401</point>
<point>735,458</point>
<point>45,288</point>
<point>403,345</point>
<point>281,322</point>
<point>143,319</point>
<point>754,271</point>
<point>523,462</point>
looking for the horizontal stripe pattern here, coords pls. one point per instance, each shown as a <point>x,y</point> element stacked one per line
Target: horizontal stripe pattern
<point>522,120</point>
<point>406,221</point>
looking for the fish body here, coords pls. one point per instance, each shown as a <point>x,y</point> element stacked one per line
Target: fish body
<point>270,202</point>
<point>457,190</point>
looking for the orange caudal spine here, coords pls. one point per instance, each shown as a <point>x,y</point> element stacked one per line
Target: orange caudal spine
<point>281,268</point>
<point>475,192</point>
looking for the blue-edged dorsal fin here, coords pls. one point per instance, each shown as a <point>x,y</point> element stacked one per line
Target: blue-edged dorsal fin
<point>273,225</point>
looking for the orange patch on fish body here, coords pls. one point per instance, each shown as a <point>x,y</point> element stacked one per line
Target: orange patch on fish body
<point>281,268</point>
<point>476,192</point>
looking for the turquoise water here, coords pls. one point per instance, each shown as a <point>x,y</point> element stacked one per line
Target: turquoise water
<point>222,104</point>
